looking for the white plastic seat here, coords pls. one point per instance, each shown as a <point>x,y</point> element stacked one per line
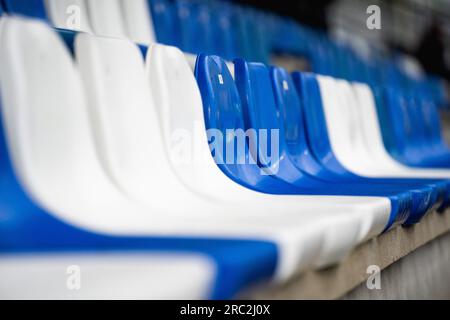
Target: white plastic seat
<point>355,134</point>
<point>68,14</point>
<point>138,21</point>
<point>52,146</point>
<point>353,137</point>
<point>107,18</point>
<point>125,19</point>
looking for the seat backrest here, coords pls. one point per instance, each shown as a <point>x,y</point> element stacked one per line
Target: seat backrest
<point>431,121</point>
<point>348,108</point>
<point>182,121</point>
<point>396,105</point>
<point>385,121</point>
<point>289,110</point>
<point>224,41</point>
<point>255,35</point>
<point>260,113</point>
<point>193,20</point>
<point>138,21</point>
<point>420,139</point>
<point>106,18</point>
<point>29,8</point>
<point>353,119</point>
<point>164,17</point>
<point>357,94</point>
<point>409,124</point>
<point>240,33</point>
<point>223,112</point>
<point>291,115</point>
<point>339,120</point>
<point>311,99</point>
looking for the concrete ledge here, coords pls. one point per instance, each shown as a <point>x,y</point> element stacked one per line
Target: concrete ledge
<point>335,282</point>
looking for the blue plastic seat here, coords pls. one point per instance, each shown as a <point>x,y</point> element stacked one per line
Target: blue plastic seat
<point>193,19</point>
<point>165,22</point>
<point>429,112</point>
<point>256,38</point>
<point>223,39</point>
<point>29,8</point>
<point>240,33</point>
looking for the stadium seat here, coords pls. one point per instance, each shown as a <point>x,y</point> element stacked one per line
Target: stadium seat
<point>29,8</point>
<point>222,30</point>
<point>107,18</point>
<point>193,20</point>
<point>138,21</point>
<point>165,22</point>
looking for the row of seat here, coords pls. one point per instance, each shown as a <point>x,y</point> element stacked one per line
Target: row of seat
<point>111,181</point>
<point>80,191</point>
<point>116,18</point>
<point>230,30</point>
